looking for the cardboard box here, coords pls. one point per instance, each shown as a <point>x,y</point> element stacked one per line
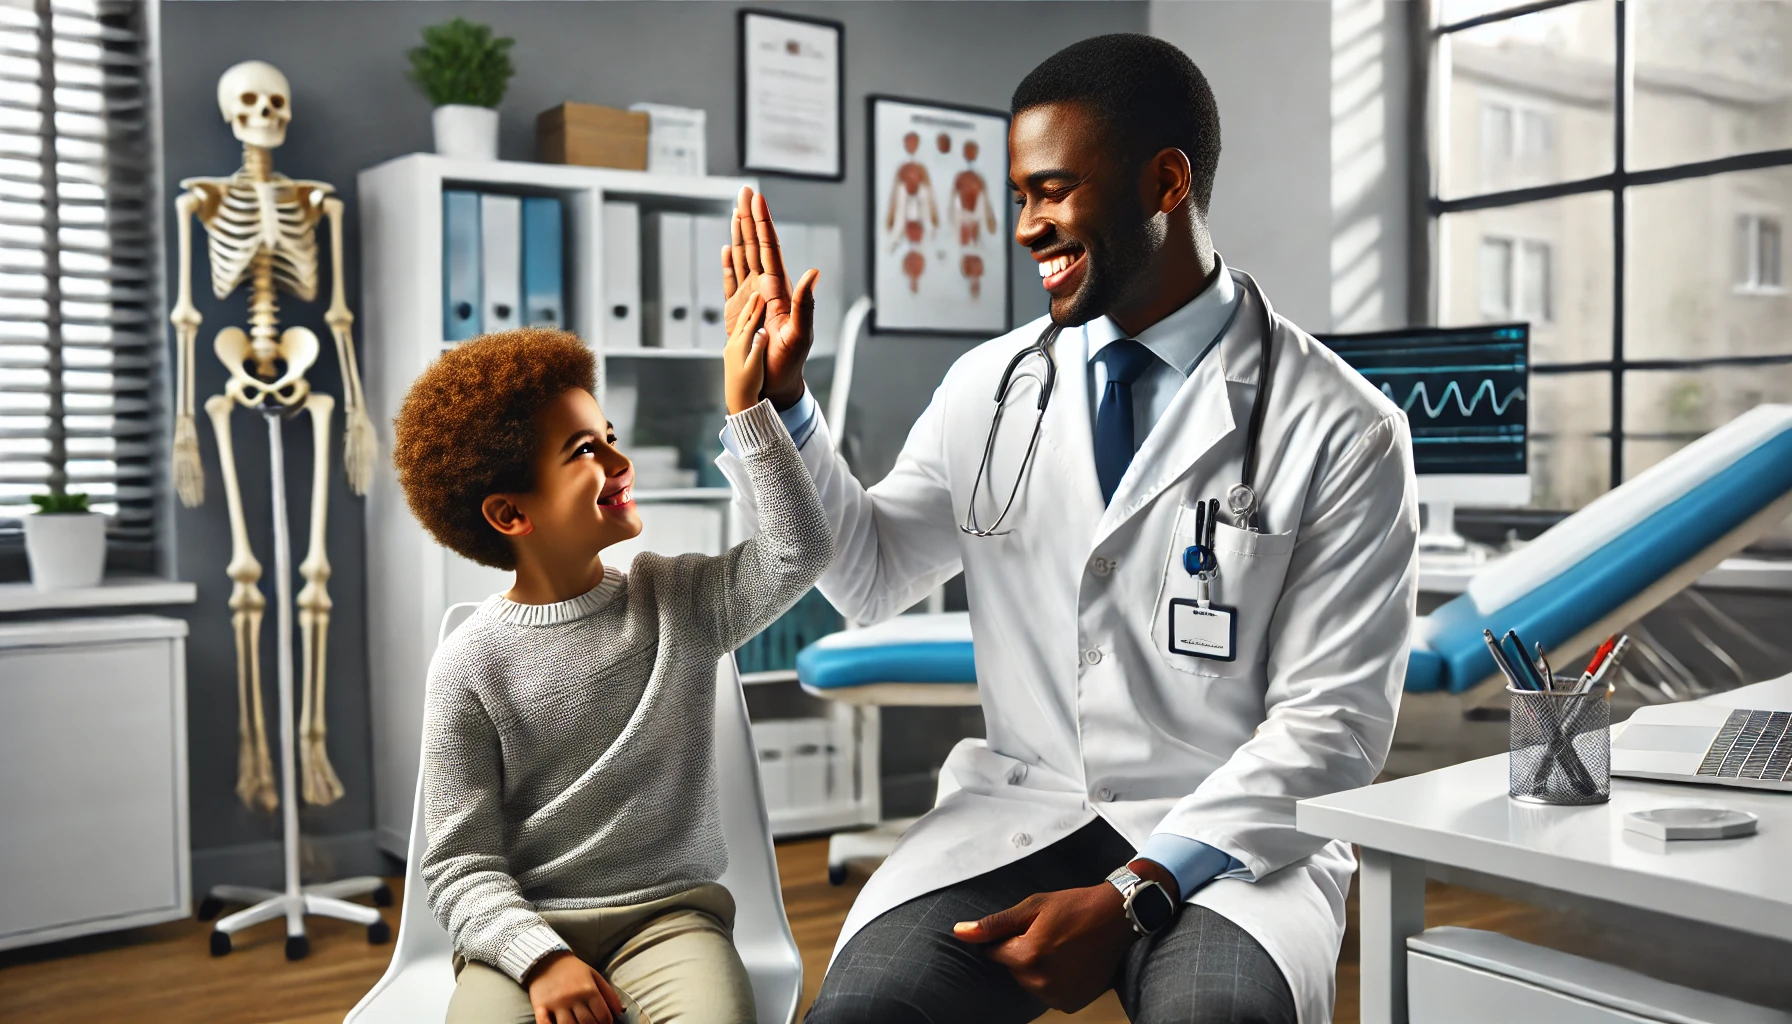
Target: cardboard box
<point>592,136</point>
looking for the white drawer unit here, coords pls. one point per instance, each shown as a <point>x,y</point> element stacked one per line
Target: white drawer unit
<point>93,751</point>
<point>1468,976</point>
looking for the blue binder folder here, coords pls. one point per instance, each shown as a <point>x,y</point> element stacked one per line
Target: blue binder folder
<point>461,256</point>
<point>544,301</point>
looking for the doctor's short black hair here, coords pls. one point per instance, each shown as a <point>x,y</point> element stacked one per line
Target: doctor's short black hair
<point>1149,93</point>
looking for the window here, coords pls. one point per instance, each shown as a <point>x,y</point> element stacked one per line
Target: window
<point>80,323</point>
<point>1515,280</point>
<point>1632,159</point>
<point>1758,254</point>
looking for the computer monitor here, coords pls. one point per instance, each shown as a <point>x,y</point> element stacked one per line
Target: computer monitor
<point>1464,392</point>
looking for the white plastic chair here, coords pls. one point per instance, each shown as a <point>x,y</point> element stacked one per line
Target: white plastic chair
<point>418,983</point>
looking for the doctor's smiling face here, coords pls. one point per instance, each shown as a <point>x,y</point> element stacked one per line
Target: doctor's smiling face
<point>1112,154</point>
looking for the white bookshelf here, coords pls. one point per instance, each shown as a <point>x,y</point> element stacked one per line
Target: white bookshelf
<point>411,580</point>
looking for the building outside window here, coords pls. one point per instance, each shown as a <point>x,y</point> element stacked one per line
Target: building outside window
<point>1611,172</point>
<point>1758,254</point>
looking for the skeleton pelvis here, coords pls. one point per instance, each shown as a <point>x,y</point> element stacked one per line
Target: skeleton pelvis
<point>297,349</point>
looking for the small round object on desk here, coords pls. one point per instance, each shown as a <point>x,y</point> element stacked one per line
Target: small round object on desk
<point>1668,823</point>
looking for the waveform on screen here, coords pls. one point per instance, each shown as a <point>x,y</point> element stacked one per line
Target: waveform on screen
<point>1421,395</point>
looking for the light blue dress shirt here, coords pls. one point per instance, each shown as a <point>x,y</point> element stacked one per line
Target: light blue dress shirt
<point>1179,341</point>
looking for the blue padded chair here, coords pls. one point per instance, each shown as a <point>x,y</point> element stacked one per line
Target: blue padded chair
<point>1619,558</point>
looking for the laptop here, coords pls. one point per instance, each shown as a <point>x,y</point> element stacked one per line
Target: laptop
<point>1701,742</point>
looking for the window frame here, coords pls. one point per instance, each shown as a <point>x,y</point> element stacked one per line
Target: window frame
<point>1433,75</point>
<point>1752,280</point>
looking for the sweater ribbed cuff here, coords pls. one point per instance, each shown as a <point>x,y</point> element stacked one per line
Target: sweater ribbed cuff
<point>524,951</point>
<point>757,427</point>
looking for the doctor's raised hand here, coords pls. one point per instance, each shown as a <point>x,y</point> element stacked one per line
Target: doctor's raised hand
<point>754,265</point>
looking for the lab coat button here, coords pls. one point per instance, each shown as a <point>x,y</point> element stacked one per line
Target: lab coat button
<point>1101,566</point>
<point>1018,775</point>
<point>1022,839</point>
<point>1104,794</point>
<point>1092,656</point>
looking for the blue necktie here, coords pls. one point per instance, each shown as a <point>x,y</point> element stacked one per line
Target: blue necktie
<point>1124,360</point>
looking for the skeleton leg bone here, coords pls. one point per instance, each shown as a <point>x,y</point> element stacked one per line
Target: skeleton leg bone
<point>321,786</point>
<point>255,768</point>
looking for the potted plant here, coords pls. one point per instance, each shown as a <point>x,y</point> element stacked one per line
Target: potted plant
<point>64,542</point>
<point>465,72</point>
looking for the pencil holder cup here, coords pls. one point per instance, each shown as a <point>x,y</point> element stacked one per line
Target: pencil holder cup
<point>1561,747</point>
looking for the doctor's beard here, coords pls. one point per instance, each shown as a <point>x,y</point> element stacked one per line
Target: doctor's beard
<point>1116,262</point>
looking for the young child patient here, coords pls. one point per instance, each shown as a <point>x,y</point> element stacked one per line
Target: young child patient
<point>568,786</point>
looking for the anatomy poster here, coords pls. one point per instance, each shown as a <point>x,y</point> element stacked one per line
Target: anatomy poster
<point>939,225</point>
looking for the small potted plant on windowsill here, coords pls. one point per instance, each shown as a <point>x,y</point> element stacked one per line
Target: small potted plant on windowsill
<point>465,72</point>
<point>64,542</point>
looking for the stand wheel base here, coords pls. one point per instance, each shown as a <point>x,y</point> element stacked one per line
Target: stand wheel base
<point>220,943</point>
<point>209,908</point>
<point>298,947</point>
<point>836,874</point>
<point>378,933</point>
<point>382,897</point>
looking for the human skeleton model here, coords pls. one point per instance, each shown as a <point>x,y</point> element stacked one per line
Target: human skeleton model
<point>974,215</point>
<point>911,185</point>
<point>261,228</point>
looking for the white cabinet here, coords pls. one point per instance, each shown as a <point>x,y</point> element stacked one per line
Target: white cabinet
<point>93,754</point>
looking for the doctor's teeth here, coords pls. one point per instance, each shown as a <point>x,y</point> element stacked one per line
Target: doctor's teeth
<point>1054,266</point>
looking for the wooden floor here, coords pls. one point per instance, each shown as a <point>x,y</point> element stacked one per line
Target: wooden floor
<point>165,974</point>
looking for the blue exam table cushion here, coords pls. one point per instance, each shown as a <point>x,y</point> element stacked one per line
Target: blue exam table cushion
<point>1594,561</point>
<point>905,649</point>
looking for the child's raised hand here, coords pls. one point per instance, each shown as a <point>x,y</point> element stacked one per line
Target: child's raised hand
<point>566,990</point>
<point>743,360</point>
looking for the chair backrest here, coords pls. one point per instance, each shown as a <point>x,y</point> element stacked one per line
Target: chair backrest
<point>761,930</point>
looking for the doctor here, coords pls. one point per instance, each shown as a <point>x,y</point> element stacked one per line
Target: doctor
<point>1161,678</point>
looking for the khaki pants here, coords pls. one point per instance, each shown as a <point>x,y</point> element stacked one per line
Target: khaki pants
<point>672,960</point>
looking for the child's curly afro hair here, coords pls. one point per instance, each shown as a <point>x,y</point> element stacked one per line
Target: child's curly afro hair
<point>468,430</point>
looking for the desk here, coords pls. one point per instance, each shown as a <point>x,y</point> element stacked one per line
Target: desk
<point>1738,572</point>
<point>1460,816</point>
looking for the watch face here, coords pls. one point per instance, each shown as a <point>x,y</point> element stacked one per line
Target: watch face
<point>1151,906</point>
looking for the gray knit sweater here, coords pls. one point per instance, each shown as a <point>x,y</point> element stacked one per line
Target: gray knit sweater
<point>568,748</point>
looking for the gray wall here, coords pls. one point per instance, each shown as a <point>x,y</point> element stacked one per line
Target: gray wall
<point>354,108</point>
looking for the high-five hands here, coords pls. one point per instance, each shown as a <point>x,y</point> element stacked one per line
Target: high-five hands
<point>743,358</point>
<point>754,265</point>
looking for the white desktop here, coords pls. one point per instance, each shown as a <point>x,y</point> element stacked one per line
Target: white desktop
<point>1464,391</point>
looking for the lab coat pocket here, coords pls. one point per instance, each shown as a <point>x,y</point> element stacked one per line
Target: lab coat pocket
<point>1251,569</point>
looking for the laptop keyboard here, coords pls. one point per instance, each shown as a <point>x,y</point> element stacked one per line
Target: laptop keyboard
<point>1752,745</point>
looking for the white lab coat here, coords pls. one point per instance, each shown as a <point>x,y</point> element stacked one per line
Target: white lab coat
<point>1087,711</point>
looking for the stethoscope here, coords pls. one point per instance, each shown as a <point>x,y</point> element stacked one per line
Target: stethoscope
<point>1241,498</point>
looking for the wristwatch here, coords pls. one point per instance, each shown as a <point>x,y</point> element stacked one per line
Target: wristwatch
<point>1148,907</point>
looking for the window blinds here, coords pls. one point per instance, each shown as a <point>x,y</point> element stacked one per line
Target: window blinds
<point>79,323</point>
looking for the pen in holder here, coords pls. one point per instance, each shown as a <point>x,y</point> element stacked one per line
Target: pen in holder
<point>1561,750</point>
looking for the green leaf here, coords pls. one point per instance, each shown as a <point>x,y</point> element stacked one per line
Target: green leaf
<point>59,504</point>
<point>460,62</point>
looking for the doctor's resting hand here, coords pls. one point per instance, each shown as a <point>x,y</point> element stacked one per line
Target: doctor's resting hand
<point>1064,947</point>
<point>754,264</point>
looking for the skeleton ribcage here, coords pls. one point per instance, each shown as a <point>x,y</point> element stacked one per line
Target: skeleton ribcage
<point>234,237</point>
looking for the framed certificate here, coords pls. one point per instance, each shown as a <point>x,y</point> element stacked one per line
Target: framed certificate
<point>792,95</point>
<point>940,241</point>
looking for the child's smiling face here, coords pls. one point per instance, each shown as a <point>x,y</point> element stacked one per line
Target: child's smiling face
<point>582,500</point>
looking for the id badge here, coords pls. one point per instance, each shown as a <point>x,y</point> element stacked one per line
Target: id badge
<point>1203,630</point>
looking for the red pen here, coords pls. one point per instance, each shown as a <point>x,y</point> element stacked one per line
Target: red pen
<point>1599,656</point>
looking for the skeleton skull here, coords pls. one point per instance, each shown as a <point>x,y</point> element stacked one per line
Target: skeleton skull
<point>255,98</point>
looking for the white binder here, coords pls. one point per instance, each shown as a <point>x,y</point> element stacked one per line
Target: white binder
<point>621,316</point>
<point>709,234</point>
<point>669,240</point>
<point>501,237</point>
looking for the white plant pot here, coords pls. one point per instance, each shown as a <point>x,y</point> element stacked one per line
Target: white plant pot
<point>66,549</point>
<point>467,133</point>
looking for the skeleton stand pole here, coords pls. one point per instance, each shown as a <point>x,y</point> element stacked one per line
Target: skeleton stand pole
<point>296,900</point>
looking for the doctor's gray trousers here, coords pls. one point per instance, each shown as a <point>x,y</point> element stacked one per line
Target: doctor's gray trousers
<point>906,968</point>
